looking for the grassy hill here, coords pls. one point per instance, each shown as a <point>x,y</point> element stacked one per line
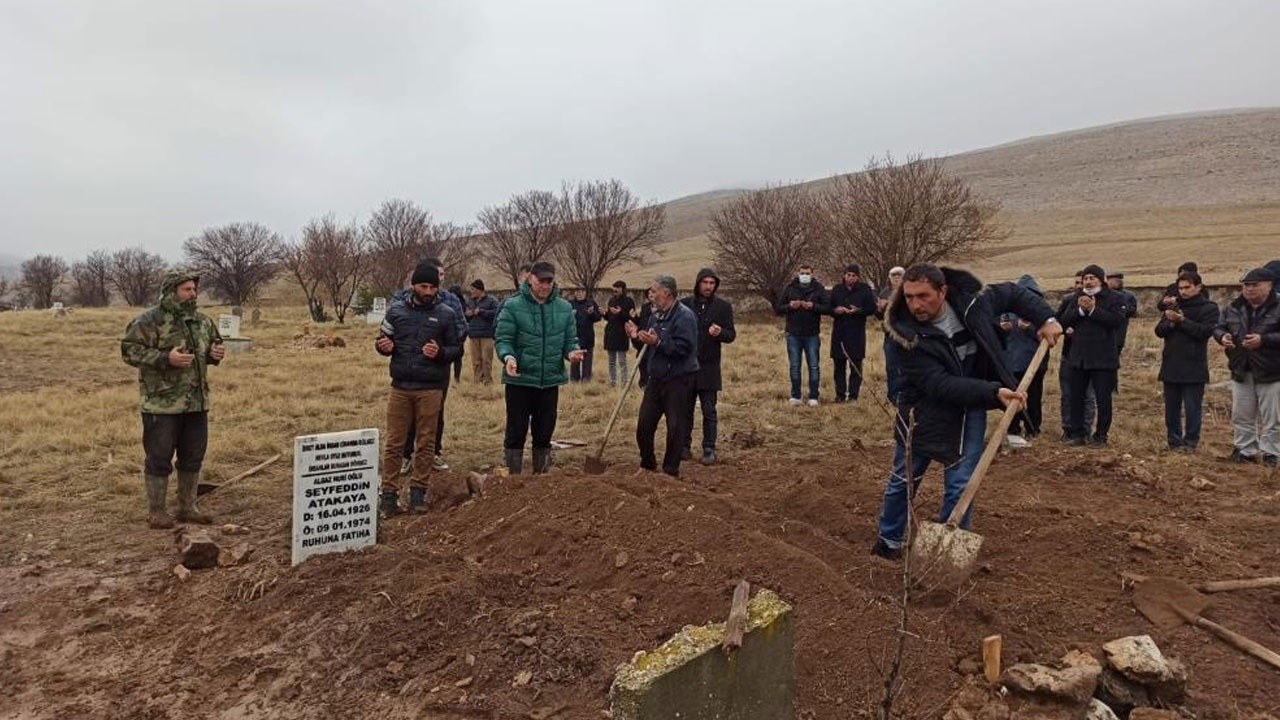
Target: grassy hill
<point>1142,196</point>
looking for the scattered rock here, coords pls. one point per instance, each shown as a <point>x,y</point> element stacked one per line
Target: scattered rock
<point>395,667</point>
<point>1202,483</point>
<point>969,665</point>
<point>198,550</point>
<point>476,483</point>
<point>1137,658</point>
<point>668,576</point>
<point>470,660</point>
<point>464,682</point>
<point>230,529</point>
<point>1098,710</point>
<point>522,678</point>
<point>181,572</point>
<point>1077,658</point>
<point>1150,713</point>
<point>1145,541</point>
<point>1073,685</point>
<point>621,559</point>
<point>237,555</point>
<point>1121,693</point>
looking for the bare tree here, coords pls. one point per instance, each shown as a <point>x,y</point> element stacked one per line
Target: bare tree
<point>235,261</point>
<point>900,214</point>
<point>137,275</point>
<point>526,229</point>
<point>761,238</point>
<point>4,286</point>
<point>328,263</point>
<point>91,279</point>
<point>603,227</point>
<point>41,276</point>
<point>400,234</point>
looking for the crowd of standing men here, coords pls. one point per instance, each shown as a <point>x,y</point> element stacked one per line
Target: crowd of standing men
<point>954,349</point>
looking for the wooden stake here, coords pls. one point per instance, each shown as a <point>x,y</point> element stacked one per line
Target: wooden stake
<point>736,626</point>
<point>991,657</point>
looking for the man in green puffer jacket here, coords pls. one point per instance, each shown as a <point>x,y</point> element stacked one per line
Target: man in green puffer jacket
<point>536,333</point>
<point>173,345</point>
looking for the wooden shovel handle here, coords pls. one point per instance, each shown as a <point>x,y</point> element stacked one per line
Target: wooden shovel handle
<point>1250,584</point>
<point>993,445</point>
<point>1231,637</point>
<point>613,419</point>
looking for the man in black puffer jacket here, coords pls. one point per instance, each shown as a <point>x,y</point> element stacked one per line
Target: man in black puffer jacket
<point>945,321</point>
<point>421,337</point>
<point>715,329</point>
<point>1184,364</point>
<point>1250,331</point>
<point>804,301</point>
<point>1093,359</point>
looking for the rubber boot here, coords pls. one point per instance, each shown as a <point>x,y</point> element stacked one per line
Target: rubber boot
<point>417,499</point>
<point>388,503</point>
<point>541,460</point>
<point>157,490</point>
<point>187,510</point>
<point>514,460</point>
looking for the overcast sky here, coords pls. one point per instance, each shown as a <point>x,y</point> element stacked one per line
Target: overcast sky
<point>140,123</point>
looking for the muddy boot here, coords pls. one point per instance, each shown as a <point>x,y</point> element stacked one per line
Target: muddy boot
<point>514,460</point>
<point>388,503</point>
<point>417,499</point>
<point>541,460</point>
<point>187,510</point>
<point>157,489</point>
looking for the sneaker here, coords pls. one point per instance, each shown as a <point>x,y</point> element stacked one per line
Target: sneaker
<point>1075,442</point>
<point>1239,457</point>
<point>813,402</point>
<point>1096,441</point>
<point>794,401</point>
<point>439,464</point>
<point>406,466</point>
<point>1017,442</point>
<point>839,400</point>
<point>388,504</point>
<point>708,456</point>
<point>686,454</point>
<point>1271,460</point>
<point>882,550</point>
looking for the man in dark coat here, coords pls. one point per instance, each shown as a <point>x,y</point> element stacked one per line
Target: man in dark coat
<point>482,314</point>
<point>671,339</point>
<point>420,335</point>
<point>619,310</point>
<point>1064,376</point>
<point>586,313</point>
<point>804,302</point>
<point>1250,331</point>
<point>1184,364</point>
<point>1171,294</point>
<point>1094,356</point>
<point>1020,345</point>
<point>945,321</point>
<point>851,303</point>
<point>715,329</point>
<point>1115,281</point>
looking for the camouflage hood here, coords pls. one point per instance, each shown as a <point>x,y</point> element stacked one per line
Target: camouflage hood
<point>169,292</point>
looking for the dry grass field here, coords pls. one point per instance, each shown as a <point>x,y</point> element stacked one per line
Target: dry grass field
<point>93,624</point>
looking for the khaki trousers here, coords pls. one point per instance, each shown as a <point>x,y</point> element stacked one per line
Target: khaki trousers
<point>481,351</point>
<point>416,411</point>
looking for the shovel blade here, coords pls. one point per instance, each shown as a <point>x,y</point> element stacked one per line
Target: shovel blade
<point>594,465</point>
<point>205,488</point>
<point>943,556</point>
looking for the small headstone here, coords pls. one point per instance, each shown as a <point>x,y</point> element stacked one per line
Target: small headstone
<point>380,305</point>
<point>256,317</point>
<point>377,312</point>
<point>58,309</point>
<point>335,489</point>
<point>237,310</point>
<point>229,326</point>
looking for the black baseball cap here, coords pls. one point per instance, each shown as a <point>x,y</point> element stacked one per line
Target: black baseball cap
<point>543,270</point>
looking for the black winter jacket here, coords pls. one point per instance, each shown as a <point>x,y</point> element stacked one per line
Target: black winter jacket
<point>615,326</point>
<point>1239,320</point>
<point>410,325</point>
<point>586,313</point>
<point>1130,311</point>
<point>804,323</point>
<point>482,323</point>
<point>676,353</point>
<point>1185,355</point>
<point>1093,337</point>
<point>710,311</point>
<point>936,385</point>
<point>849,331</point>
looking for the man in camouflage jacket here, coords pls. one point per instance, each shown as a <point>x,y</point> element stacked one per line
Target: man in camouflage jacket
<point>173,345</point>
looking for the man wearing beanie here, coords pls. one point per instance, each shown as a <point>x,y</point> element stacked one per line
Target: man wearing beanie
<point>536,333</point>
<point>1093,359</point>
<point>421,337</point>
<point>852,302</point>
<point>670,338</point>
<point>482,311</point>
<point>173,345</point>
<point>1250,331</point>
<point>715,330</point>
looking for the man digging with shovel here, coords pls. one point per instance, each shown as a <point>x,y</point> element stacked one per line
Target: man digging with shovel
<point>945,321</point>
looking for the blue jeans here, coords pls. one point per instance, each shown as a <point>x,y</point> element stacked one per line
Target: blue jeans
<point>809,345</point>
<point>893,515</point>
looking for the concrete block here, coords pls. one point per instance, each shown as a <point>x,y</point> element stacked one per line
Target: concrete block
<point>689,677</point>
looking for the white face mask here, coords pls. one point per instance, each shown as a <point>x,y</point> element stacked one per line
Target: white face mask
<point>805,278</point>
<point>1092,291</point>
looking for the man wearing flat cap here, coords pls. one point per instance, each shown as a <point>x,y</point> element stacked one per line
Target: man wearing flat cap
<point>1250,331</point>
<point>670,340</point>
<point>1115,281</point>
<point>852,302</point>
<point>1093,358</point>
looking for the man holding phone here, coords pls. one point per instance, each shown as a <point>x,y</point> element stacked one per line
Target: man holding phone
<point>173,345</point>
<point>1250,331</point>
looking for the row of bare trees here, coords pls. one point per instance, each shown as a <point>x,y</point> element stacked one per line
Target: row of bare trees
<point>889,214</point>
<point>133,273</point>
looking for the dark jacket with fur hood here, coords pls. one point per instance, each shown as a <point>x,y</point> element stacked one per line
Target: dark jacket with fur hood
<point>936,385</point>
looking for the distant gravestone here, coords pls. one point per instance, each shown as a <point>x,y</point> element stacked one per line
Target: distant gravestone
<point>335,489</point>
<point>256,317</point>
<point>229,326</point>
<point>377,312</point>
<point>58,309</point>
<point>237,310</point>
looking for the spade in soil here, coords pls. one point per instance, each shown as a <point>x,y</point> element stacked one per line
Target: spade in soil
<point>1168,603</point>
<point>594,464</point>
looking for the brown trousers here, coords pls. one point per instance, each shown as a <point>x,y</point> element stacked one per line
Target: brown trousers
<point>419,411</point>
<point>481,351</point>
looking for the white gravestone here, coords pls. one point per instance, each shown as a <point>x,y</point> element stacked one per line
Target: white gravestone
<point>229,326</point>
<point>335,491</point>
<point>377,312</point>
